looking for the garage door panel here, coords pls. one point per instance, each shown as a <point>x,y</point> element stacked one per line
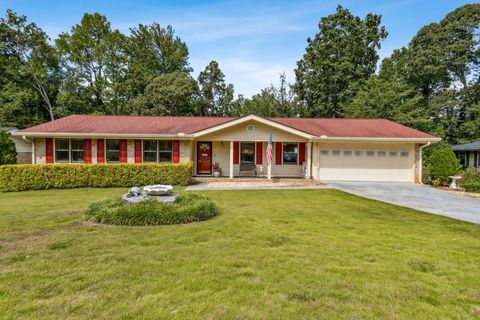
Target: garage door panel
<point>364,168</point>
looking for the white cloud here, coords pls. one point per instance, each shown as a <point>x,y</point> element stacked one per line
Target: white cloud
<point>249,76</point>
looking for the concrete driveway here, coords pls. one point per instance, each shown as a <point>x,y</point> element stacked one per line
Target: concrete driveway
<point>416,196</point>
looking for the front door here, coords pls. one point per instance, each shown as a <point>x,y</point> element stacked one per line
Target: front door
<point>204,157</point>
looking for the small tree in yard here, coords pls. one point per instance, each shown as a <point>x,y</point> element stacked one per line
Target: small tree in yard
<point>440,163</point>
<point>8,154</point>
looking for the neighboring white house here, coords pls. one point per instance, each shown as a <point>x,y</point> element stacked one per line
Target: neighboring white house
<point>322,149</point>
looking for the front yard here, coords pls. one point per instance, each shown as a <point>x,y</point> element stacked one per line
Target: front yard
<point>277,254</point>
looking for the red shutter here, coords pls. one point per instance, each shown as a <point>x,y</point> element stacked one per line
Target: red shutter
<point>175,151</point>
<point>49,150</point>
<point>259,152</point>
<point>236,152</point>
<point>100,151</point>
<point>87,150</point>
<point>138,151</point>
<point>301,153</point>
<point>123,151</point>
<point>278,153</point>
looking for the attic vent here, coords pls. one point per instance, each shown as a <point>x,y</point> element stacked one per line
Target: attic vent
<point>250,128</point>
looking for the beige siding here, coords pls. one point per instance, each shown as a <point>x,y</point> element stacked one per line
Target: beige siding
<point>94,150</point>
<point>221,154</point>
<point>130,151</point>
<point>40,156</point>
<point>261,133</point>
<point>363,168</point>
<point>185,150</point>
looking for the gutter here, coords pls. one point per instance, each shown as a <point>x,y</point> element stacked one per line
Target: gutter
<point>370,139</point>
<point>32,142</point>
<point>179,136</point>
<point>420,169</point>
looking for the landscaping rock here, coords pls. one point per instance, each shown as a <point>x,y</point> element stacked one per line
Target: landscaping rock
<point>158,190</point>
<point>133,192</point>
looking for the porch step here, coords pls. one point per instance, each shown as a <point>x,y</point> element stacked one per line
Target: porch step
<point>289,181</point>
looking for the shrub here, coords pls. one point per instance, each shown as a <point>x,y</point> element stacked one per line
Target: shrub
<point>439,162</point>
<point>8,153</point>
<point>471,181</point>
<point>65,176</point>
<point>189,207</point>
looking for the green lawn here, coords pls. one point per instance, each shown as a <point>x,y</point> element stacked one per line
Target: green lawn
<point>278,254</point>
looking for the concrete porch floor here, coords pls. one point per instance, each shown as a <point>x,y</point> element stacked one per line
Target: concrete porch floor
<point>211,183</point>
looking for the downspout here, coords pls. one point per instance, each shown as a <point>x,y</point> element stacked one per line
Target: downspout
<point>420,170</point>
<point>32,142</point>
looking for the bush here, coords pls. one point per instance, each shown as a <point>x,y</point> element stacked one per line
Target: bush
<point>65,176</point>
<point>440,162</point>
<point>471,181</point>
<point>189,207</point>
<point>8,153</point>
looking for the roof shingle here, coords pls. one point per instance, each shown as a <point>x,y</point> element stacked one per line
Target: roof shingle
<point>156,125</point>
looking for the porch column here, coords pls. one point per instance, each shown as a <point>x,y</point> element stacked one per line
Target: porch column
<point>231,159</point>
<point>308,172</point>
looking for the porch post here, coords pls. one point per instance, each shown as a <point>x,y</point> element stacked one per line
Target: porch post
<point>269,166</point>
<point>231,159</point>
<point>308,173</point>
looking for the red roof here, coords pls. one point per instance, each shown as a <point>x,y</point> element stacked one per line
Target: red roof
<point>365,128</point>
<point>102,124</point>
<point>127,124</point>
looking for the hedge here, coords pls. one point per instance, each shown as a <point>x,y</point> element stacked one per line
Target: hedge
<point>189,207</point>
<point>471,181</point>
<point>66,176</point>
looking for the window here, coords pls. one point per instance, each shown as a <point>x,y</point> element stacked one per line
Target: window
<point>61,150</point>
<point>76,147</point>
<point>324,152</point>
<point>358,153</point>
<point>247,152</point>
<point>290,153</point>
<point>404,154</point>
<point>113,151</point>
<point>370,153</point>
<point>381,153</point>
<point>392,154</point>
<point>164,151</point>
<point>478,159</point>
<point>149,150</point>
<point>462,156</point>
<point>335,152</point>
<point>347,152</point>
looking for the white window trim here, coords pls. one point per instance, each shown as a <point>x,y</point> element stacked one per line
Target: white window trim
<point>254,151</point>
<point>298,153</point>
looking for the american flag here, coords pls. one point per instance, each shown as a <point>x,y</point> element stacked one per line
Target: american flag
<point>269,151</point>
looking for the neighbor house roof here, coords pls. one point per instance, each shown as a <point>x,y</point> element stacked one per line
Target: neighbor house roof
<point>473,146</point>
<point>157,125</point>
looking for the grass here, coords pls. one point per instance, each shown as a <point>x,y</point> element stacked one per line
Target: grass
<point>277,254</point>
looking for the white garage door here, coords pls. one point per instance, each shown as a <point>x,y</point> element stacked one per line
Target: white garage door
<point>366,165</point>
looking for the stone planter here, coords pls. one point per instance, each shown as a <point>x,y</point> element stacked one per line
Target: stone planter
<point>216,174</point>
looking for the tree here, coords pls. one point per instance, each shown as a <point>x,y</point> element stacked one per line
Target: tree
<point>30,76</point>
<point>393,100</point>
<point>93,56</point>
<point>8,153</point>
<point>216,96</point>
<point>270,102</point>
<point>153,51</point>
<point>172,94</point>
<point>341,57</point>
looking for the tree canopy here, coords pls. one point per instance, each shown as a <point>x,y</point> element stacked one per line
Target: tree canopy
<point>431,84</point>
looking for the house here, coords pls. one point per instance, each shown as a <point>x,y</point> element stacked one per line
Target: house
<point>23,147</point>
<point>323,149</point>
<point>468,154</point>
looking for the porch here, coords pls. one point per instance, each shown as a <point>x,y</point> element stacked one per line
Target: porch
<point>247,160</point>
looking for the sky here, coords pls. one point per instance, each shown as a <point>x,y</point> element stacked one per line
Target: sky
<point>253,41</point>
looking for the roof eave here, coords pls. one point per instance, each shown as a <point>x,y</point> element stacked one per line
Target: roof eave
<point>377,139</point>
<point>178,136</point>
